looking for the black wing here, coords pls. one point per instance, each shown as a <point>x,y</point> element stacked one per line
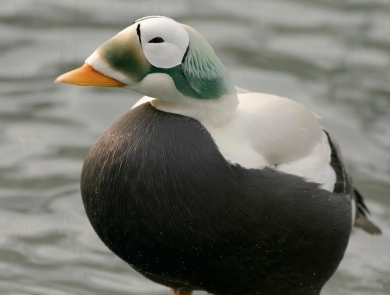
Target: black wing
<point>344,185</point>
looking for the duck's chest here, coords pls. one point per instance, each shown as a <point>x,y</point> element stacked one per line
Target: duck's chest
<point>156,180</point>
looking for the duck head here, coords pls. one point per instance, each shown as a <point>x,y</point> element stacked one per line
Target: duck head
<point>157,57</point>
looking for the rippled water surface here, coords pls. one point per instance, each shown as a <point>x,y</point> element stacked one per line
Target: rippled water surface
<point>331,55</point>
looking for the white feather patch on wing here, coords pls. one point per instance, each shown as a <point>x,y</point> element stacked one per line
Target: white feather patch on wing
<point>314,167</point>
<point>279,129</point>
<point>268,130</point>
<point>353,205</point>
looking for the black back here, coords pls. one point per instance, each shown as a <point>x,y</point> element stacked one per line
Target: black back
<point>161,196</point>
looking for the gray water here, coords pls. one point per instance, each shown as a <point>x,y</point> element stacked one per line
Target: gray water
<point>333,56</point>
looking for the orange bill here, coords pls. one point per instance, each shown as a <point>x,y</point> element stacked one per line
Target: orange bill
<point>86,75</point>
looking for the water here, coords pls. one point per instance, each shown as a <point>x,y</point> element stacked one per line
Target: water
<point>333,56</point>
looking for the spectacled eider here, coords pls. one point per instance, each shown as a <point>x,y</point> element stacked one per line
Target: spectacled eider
<point>201,188</point>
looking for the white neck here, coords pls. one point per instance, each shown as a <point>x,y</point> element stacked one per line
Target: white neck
<point>210,112</point>
<point>213,112</point>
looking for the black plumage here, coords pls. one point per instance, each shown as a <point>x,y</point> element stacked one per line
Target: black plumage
<point>161,196</point>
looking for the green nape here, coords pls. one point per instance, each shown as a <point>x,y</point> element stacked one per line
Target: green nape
<point>201,75</point>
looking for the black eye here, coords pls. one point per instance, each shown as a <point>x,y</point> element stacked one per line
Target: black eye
<point>156,40</point>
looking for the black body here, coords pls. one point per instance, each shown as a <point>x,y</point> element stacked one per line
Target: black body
<point>161,196</point>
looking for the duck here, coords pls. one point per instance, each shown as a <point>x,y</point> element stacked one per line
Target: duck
<point>205,186</point>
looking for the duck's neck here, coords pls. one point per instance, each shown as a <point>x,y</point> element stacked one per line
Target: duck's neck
<point>211,109</point>
<point>213,112</point>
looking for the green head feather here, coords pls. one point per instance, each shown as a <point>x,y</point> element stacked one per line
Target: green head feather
<point>200,75</point>
<point>203,69</point>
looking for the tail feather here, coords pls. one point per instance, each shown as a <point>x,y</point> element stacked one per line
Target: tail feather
<point>362,208</point>
<point>361,217</point>
<point>365,224</point>
<point>344,185</point>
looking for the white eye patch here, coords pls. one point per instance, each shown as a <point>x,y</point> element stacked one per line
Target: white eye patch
<point>164,41</point>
